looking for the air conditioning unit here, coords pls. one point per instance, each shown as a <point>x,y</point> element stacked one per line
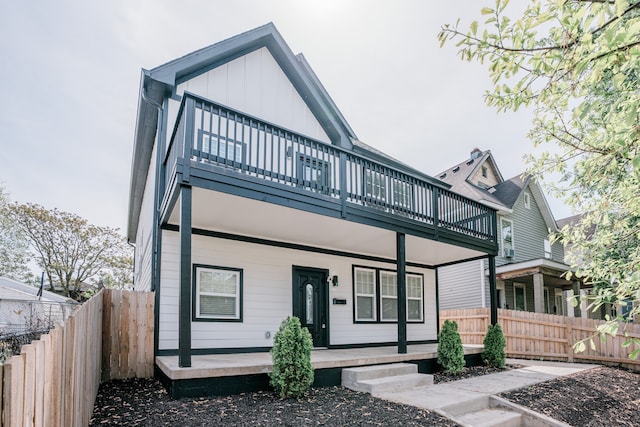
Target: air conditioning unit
<point>509,253</point>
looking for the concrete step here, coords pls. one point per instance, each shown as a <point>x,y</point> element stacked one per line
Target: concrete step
<point>491,417</point>
<point>353,375</point>
<point>390,384</point>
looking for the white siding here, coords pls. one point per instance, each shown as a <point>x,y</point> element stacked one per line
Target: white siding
<point>460,285</point>
<point>267,298</point>
<point>254,84</point>
<point>142,261</point>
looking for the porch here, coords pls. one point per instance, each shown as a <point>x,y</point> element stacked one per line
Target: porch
<point>223,374</point>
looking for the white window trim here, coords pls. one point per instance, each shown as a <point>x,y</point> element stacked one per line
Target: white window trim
<point>527,200</point>
<point>513,240</point>
<point>357,294</point>
<point>548,253</point>
<point>237,295</point>
<point>524,294</point>
<point>388,297</point>
<point>421,299</point>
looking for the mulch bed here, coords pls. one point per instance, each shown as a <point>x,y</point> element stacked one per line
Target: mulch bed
<point>597,397</point>
<point>144,402</point>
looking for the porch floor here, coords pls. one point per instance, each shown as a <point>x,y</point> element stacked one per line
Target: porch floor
<point>238,364</point>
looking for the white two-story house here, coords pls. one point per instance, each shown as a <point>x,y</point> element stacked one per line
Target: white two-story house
<point>252,199</point>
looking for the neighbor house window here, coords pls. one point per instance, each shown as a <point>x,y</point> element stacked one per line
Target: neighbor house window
<point>220,148</point>
<point>414,297</point>
<point>376,295</point>
<point>365,294</point>
<point>484,171</point>
<point>218,293</point>
<point>547,249</point>
<point>388,296</point>
<point>520,298</point>
<point>507,238</point>
<point>527,200</point>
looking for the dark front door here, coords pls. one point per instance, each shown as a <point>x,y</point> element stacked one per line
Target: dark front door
<point>310,302</point>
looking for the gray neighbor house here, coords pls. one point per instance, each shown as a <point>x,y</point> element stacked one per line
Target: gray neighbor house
<point>529,269</point>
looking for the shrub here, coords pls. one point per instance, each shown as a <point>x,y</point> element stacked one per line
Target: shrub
<point>292,373</point>
<point>450,351</point>
<point>494,345</point>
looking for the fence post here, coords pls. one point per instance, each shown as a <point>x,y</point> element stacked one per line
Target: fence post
<point>569,332</point>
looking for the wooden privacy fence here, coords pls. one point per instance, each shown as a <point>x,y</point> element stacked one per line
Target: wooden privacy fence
<point>54,380</point>
<point>546,336</point>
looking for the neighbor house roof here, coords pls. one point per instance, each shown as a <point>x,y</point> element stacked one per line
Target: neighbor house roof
<point>502,195</point>
<point>14,290</point>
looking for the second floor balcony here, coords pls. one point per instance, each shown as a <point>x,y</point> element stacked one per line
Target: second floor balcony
<point>215,139</point>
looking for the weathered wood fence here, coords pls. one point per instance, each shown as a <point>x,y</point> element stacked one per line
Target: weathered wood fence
<point>54,380</point>
<point>546,336</point>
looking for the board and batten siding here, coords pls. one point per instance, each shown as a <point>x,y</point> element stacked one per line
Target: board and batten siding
<point>256,85</point>
<point>267,295</point>
<point>142,259</point>
<point>460,285</point>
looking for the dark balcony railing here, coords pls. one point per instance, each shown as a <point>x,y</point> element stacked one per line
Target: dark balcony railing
<point>217,135</point>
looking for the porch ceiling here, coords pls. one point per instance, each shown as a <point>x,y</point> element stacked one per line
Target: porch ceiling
<point>221,212</point>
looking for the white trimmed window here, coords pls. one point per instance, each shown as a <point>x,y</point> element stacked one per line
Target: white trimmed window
<point>218,293</point>
<point>402,193</point>
<point>388,296</point>
<point>507,238</point>
<point>547,249</point>
<point>365,290</point>
<point>414,298</point>
<point>527,200</point>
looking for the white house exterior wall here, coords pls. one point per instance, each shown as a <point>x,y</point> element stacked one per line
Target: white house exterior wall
<point>267,295</point>
<point>142,270</point>
<point>254,84</point>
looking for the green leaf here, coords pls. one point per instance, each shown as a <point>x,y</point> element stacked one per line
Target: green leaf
<point>486,11</point>
<point>474,27</point>
<point>634,354</point>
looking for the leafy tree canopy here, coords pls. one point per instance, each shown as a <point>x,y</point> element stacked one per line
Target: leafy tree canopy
<point>71,251</point>
<point>14,247</point>
<point>576,65</point>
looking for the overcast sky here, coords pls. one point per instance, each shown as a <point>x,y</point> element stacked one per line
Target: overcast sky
<point>70,74</point>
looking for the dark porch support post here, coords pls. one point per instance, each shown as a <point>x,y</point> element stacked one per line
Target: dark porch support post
<point>577,310</point>
<point>493,292</point>
<point>402,293</point>
<point>184,311</point>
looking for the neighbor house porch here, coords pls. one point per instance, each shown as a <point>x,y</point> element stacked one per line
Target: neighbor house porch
<point>223,374</point>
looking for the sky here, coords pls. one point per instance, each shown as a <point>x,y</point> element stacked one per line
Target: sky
<point>70,75</point>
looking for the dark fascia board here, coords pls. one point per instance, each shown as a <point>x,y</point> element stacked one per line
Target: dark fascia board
<point>150,98</point>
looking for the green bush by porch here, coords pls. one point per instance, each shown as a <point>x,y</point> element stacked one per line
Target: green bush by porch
<point>494,345</point>
<point>450,351</point>
<point>292,373</point>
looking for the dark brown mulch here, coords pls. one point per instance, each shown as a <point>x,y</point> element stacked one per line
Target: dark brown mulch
<point>470,372</point>
<point>145,403</point>
<point>598,397</point>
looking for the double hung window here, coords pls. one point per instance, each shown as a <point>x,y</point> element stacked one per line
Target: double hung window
<point>218,293</point>
<point>376,295</point>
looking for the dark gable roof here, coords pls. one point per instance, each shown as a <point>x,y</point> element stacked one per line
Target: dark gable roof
<point>508,191</point>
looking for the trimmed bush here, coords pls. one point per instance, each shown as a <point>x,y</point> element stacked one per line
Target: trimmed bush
<point>292,373</point>
<point>450,351</point>
<point>494,345</point>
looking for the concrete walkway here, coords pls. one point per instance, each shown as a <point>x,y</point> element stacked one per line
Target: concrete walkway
<point>468,395</point>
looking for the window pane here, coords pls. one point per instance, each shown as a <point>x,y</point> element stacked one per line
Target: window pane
<point>218,282</point>
<point>520,304</point>
<point>217,306</point>
<point>309,291</point>
<point>414,309</point>
<point>389,309</point>
<point>388,284</point>
<point>364,308</point>
<point>365,282</point>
